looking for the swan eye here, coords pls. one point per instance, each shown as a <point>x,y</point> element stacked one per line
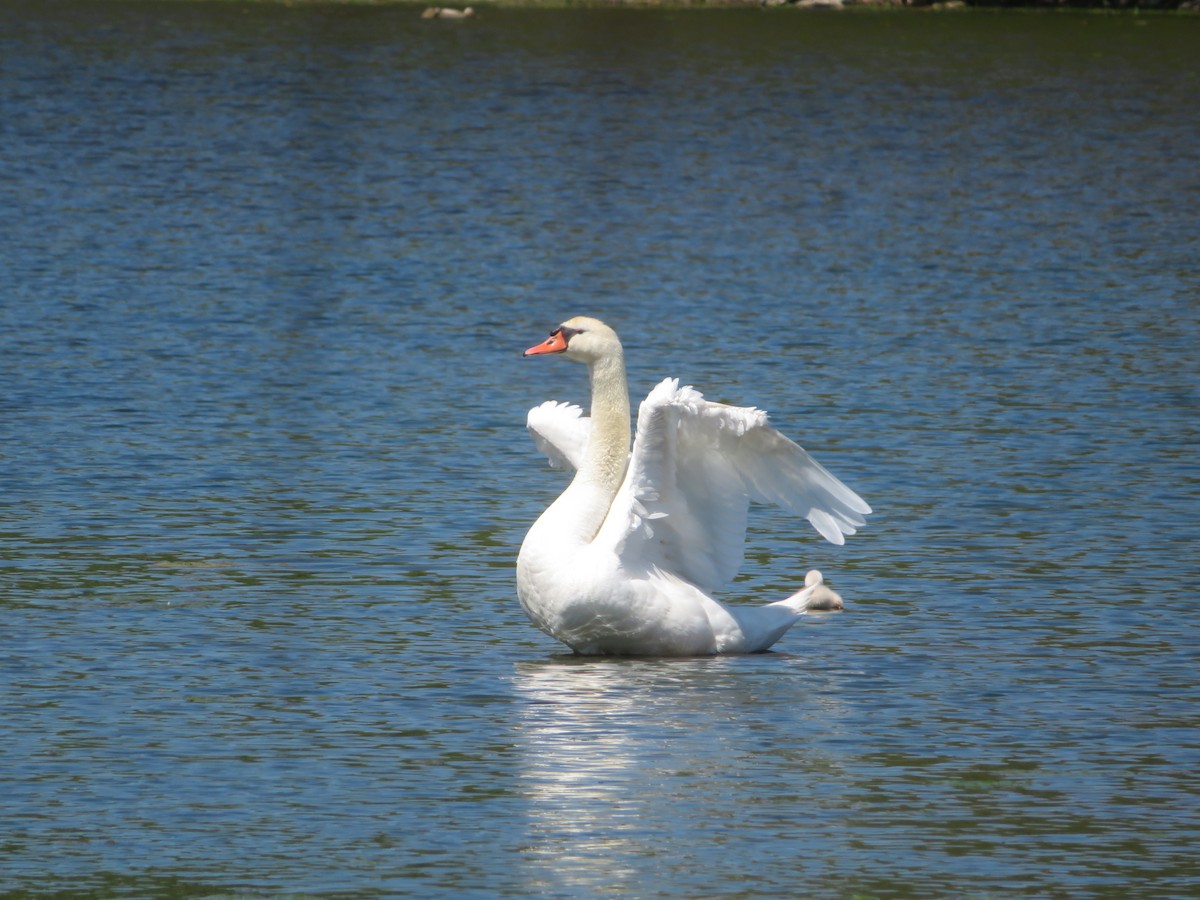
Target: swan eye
<point>568,333</point>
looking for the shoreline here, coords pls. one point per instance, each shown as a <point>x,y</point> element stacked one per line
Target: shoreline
<point>1134,7</point>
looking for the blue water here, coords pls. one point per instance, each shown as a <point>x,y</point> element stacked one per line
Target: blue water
<point>267,273</point>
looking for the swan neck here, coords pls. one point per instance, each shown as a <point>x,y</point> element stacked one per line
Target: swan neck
<point>575,518</point>
<point>608,448</point>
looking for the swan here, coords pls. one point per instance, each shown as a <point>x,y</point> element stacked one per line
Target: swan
<point>625,561</point>
<point>823,597</point>
<point>447,12</point>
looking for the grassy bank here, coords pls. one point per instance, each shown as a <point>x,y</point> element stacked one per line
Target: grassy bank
<point>1134,6</point>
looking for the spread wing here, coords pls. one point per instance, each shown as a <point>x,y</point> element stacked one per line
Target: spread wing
<point>560,431</point>
<point>695,467</point>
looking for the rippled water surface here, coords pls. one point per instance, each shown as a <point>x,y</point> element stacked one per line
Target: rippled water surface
<point>267,273</point>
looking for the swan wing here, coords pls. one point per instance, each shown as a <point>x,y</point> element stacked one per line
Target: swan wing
<point>560,431</point>
<point>695,467</point>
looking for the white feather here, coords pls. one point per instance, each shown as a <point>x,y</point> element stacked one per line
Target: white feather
<point>560,432</point>
<point>695,467</point>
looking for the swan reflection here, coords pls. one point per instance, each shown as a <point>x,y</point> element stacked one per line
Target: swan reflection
<point>620,756</point>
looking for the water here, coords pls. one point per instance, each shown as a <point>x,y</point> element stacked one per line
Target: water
<point>263,476</point>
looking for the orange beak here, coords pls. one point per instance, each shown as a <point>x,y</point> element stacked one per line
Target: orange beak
<point>556,343</point>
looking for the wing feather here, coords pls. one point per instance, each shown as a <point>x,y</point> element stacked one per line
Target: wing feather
<point>560,431</point>
<point>695,467</point>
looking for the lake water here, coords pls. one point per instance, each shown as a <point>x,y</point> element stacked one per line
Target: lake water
<point>268,271</point>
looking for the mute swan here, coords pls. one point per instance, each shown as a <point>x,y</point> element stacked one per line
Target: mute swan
<point>626,559</point>
<point>447,12</point>
<point>823,597</point>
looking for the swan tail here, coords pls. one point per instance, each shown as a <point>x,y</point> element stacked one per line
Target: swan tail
<point>761,626</point>
<point>797,602</point>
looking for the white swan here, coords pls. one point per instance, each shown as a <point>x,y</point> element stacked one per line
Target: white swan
<point>823,597</point>
<point>626,559</point>
<point>447,12</point>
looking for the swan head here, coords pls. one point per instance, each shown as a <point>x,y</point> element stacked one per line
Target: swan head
<point>582,338</point>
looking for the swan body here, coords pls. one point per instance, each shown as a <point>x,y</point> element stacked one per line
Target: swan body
<point>447,12</point>
<point>625,561</point>
<point>823,597</point>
